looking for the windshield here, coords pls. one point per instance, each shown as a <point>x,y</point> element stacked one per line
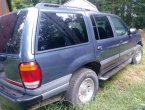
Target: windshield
<point>11,28</point>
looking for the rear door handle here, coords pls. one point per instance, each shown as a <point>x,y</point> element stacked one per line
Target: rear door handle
<point>99,48</point>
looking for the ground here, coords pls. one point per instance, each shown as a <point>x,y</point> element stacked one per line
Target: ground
<point>123,91</point>
<point>142,33</point>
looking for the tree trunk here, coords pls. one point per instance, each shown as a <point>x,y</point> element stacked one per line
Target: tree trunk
<point>113,7</point>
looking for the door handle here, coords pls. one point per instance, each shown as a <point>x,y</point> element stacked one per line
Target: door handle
<point>99,48</point>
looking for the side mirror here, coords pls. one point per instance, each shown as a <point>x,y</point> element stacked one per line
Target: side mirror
<point>132,30</point>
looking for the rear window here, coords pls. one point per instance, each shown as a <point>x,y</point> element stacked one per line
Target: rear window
<point>11,28</point>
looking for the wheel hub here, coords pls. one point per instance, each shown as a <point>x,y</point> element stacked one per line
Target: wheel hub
<point>138,56</point>
<point>86,90</point>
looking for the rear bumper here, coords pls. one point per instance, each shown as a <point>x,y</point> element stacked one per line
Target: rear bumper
<point>22,103</point>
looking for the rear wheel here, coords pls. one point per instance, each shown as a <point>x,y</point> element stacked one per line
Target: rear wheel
<point>137,57</point>
<point>83,87</point>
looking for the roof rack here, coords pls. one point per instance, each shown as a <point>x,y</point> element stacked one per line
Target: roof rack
<point>40,5</point>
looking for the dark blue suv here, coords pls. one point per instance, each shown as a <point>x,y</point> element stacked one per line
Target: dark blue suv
<point>50,52</point>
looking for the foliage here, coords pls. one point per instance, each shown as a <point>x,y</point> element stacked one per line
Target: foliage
<point>18,4</point>
<point>131,11</point>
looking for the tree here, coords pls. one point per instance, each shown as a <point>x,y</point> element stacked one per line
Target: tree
<point>19,4</point>
<point>34,2</point>
<point>131,11</point>
<point>139,14</point>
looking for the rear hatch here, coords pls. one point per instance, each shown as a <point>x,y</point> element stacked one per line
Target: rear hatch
<point>11,31</point>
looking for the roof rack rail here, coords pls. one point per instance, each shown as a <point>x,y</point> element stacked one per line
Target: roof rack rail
<point>40,5</point>
<point>47,5</point>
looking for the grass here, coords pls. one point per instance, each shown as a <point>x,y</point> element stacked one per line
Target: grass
<point>124,91</point>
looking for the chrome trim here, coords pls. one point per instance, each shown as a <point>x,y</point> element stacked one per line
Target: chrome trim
<point>129,52</point>
<point>113,46</point>
<point>109,59</point>
<point>126,42</point>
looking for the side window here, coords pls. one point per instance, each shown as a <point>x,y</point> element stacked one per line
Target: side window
<point>120,27</point>
<point>60,29</point>
<point>102,27</point>
<point>50,36</point>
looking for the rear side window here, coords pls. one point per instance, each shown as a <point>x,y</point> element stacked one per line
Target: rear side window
<point>102,27</point>
<point>60,30</point>
<point>11,28</point>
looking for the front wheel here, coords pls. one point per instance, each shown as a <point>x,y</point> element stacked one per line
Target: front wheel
<point>137,57</point>
<point>83,87</point>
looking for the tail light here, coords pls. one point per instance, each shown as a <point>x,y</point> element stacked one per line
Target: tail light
<point>31,75</point>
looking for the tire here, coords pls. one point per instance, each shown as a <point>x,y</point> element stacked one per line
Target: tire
<point>83,87</point>
<point>138,54</point>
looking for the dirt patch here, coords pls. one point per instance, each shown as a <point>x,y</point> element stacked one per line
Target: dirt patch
<point>136,78</point>
<point>127,81</point>
<point>134,75</point>
<point>129,78</point>
<point>142,33</point>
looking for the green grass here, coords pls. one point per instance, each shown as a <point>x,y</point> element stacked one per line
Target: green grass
<point>124,91</point>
